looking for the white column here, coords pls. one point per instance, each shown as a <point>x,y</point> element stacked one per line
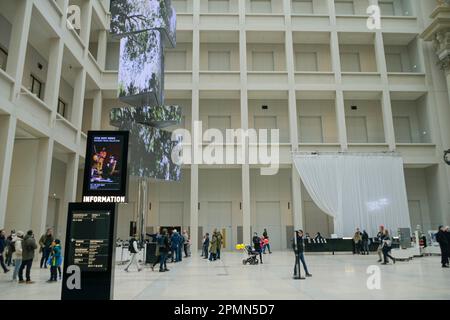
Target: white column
<point>42,185</point>
<point>195,116</point>
<point>340,119</point>
<point>101,48</point>
<point>78,100</point>
<point>246,205</point>
<point>386,108</point>
<point>7,134</point>
<point>86,17</point>
<point>297,209</point>
<point>54,74</point>
<point>18,44</point>
<point>97,110</point>
<point>70,191</point>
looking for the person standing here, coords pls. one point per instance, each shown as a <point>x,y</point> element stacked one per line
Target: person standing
<point>219,243</point>
<point>213,247</point>
<point>45,243</point>
<point>2,250</point>
<point>365,242</point>
<point>205,246</point>
<point>28,248</point>
<point>10,248</point>
<point>186,244</point>
<point>17,253</point>
<point>442,239</point>
<point>266,243</point>
<point>55,260</point>
<point>163,243</point>
<point>299,251</point>
<point>156,238</point>
<point>379,238</point>
<point>134,250</point>
<point>357,239</point>
<point>257,245</point>
<point>387,246</point>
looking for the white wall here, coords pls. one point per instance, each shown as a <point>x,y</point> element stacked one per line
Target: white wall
<point>279,55</point>
<point>326,110</point>
<point>417,190</point>
<point>277,108</point>
<point>185,48</point>
<point>232,48</point>
<point>22,185</point>
<point>374,119</point>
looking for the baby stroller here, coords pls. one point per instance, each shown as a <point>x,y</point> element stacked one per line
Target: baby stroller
<point>251,256</point>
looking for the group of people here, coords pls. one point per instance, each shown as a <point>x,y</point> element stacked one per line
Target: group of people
<point>20,248</point>
<point>361,242</point>
<point>443,238</point>
<point>168,246</point>
<point>261,243</point>
<point>211,248</point>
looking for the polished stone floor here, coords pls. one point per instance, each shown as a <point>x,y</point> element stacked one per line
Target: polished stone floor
<point>334,277</point>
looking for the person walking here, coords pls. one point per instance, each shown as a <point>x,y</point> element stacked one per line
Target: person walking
<point>55,260</point>
<point>442,239</point>
<point>16,243</point>
<point>29,246</point>
<point>387,246</point>
<point>266,243</point>
<point>299,251</point>
<point>186,244</point>
<point>213,247</point>
<point>2,250</point>
<point>163,243</point>
<point>379,239</point>
<point>205,246</point>
<point>156,237</point>
<point>357,239</point>
<point>365,242</point>
<point>257,245</point>
<point>219,243</point>
<point>45,244</point>
<point>134,250</point>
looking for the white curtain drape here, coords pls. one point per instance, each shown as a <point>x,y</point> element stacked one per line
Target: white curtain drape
<point>358,191</point>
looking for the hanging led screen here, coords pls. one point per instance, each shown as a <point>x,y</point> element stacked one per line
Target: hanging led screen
<point>151,153</point>
<point>158,117</point>
<point>134,16</point>
<point>141,69</point>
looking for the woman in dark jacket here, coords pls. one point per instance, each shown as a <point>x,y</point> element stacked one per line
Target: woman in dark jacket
<point>442,239</point>
<point>387,246</point>
<point>163,244</point>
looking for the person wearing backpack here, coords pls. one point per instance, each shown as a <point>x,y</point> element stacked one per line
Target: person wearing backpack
<point>28,247</point>
<point>54,260</point>
<point>16,247</point>
<point>163,243</point>
<point>134,250</point>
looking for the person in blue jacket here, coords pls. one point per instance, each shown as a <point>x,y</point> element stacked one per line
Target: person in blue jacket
<point>55,260</point>
<point>176,244</point>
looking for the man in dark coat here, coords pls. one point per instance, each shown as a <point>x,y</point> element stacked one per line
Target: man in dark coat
<point>29,246</point>
<point>298,246</point>
<point>442,239</point>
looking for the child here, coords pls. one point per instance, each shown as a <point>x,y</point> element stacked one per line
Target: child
<point>55,260</point>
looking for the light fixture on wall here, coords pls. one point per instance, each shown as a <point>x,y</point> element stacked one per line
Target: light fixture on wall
<point>289,205</point>
<point>265,107</point>
<point>40,66</point>
<point>354,107</point>
<point>240,205</point>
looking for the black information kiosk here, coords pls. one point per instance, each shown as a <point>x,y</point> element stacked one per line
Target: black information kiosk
<point>90,251</point>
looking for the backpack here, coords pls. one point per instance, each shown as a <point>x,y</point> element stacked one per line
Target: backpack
<point>131,246</point>
<point>12,247</point>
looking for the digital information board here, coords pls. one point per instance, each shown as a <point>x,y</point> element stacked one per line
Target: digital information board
<point>89,251</point>
<point>106,167</point>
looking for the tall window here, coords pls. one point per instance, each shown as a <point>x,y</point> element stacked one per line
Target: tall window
<point>263,61</point>
<point>345,8</point>
<point>219,60</point>
<point>175,60</point>
<point>302,6</point>
<point>3,58</point>
<point>36,86</point>
<point>306,61</point>
<point>261,6</point>
<point>219,6</point>
<point>62,108</point>
<point>350,62</point>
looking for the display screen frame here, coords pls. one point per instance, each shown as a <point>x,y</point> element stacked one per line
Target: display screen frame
<point>122,189</point>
